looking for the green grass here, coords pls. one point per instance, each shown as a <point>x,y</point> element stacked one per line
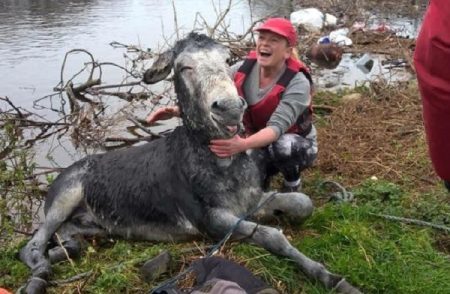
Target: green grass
<point>377,255</point>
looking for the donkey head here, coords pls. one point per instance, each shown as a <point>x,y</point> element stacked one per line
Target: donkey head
<point>208,99</point>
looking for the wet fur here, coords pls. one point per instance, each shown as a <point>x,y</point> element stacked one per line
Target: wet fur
<point>173,188</point>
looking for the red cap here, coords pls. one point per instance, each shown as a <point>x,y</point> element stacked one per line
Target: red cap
<point>282,27</point>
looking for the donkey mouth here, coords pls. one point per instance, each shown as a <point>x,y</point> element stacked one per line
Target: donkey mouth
<point>230,127</point>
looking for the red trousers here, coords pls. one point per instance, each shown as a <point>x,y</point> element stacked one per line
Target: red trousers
<point>432,63</point>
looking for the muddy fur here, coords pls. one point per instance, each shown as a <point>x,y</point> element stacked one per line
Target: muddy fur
<point>173,188</point>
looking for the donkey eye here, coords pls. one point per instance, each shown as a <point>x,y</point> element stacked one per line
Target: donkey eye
<point>185,67</point>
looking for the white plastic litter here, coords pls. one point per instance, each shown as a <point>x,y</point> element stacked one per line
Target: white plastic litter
<point>339,32</point>
<point>340,37</point>
<point>330,20</point>
<point>312,19</point>
<point>342,40</point>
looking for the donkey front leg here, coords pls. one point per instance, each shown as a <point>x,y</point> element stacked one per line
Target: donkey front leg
<point>274,241</point>
<point>33,254</point>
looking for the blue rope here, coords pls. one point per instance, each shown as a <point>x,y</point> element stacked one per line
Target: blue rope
<point>212,251</point>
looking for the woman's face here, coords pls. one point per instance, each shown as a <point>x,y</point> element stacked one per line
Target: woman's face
<point>272,50</point>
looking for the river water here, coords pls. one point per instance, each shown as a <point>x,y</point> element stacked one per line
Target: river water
<point>35,34</point>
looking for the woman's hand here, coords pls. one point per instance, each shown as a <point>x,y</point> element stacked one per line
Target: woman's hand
<point>237,144</point>
<point>228,147</point>
<point>163,113</point>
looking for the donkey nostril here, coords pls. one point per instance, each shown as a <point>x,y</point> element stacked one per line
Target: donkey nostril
<point>219,105</point>
<point>227,104</point>
<point>215,105</point>
<point>244,103</point>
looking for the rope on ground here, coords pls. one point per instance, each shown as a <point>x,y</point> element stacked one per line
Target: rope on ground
<point>412,221</point>
<point>71,279</point>
<point>340,196</point>
<point>345,196</point>
<point>58,282</point>
<point>214,249</point>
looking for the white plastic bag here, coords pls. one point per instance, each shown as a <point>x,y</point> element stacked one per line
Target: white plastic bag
<point>340,37</point>
<point>330,20</point>
<point>311,19</point>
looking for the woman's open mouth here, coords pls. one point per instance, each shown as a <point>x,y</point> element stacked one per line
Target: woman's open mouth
<point>264,53</point>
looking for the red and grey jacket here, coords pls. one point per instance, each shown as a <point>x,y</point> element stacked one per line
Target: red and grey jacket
<point>256,116</point>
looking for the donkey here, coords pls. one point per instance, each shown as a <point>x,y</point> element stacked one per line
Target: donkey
<point>173,188</point>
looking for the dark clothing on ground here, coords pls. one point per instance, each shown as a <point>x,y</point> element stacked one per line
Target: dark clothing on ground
<point>216,275</point>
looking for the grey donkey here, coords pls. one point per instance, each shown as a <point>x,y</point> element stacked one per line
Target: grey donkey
<point>173,188</point>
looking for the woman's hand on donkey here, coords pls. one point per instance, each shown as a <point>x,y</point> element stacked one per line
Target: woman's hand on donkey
<point>163,113</point>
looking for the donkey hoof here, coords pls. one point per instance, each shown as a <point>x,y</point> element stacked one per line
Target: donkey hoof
<point>36,286</point>
<point>345,287</point>
<point>58,254</point>
<point>42,270</point>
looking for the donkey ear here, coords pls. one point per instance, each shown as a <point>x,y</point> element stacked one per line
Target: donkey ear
<point>160,69</point>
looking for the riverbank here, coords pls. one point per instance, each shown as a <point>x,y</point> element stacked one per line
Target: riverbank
<point>371,142</point>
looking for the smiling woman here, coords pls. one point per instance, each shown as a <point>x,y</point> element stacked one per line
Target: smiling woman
<point>277,87</point>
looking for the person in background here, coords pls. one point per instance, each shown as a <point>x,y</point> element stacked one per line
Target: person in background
<point>278,90</point>
<point>432,65</point>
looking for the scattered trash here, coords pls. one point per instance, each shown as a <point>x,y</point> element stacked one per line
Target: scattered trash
<point>340,37</point>
<point>365,63</point>
<point>339,32</point>
<point>376,27</point>
<point>381,28</point>
<point>347,74</point>
<point>359,26</point>
<point>324,40</point>
<point>325,55</point>
<point>330,20</point>
<point>393,63</point>
<point>312,19</point>
<point>341,40</point>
